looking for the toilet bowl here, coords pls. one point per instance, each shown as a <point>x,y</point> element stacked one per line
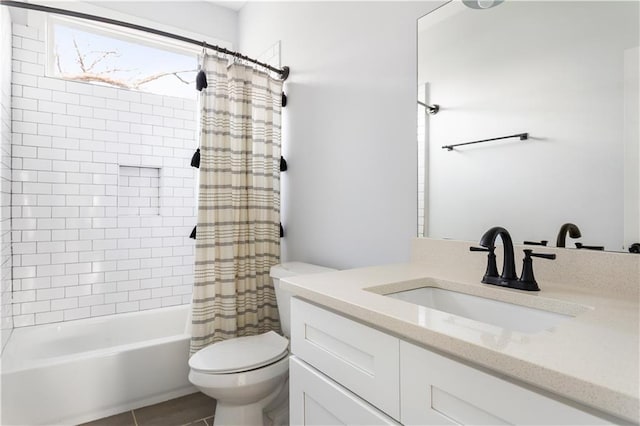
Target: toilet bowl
<point>248,375</point>
<point>243,374</point>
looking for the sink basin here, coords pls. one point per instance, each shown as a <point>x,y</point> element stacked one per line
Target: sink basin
<point>503,314</point>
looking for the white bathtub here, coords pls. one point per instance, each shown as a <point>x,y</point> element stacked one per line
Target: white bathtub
<point>77,371</point>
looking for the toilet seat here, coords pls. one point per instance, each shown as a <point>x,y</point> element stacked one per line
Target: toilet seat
<point>240,354</point>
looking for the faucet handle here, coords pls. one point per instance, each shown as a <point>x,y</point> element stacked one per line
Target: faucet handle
<point>582,246</point>
<point>492,268</point>
<point>527,281</point>
<point>536,243</point>
<point>480,249</point>
<point>542,255</point>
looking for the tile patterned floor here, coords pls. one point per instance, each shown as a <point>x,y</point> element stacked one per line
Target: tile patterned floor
<point>196,409</point>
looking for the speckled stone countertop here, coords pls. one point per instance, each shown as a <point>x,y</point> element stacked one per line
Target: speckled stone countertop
<point>591,358</point>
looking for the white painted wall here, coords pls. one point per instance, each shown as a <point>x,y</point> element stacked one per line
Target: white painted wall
<point>349,131</point>
<point>555,70</point>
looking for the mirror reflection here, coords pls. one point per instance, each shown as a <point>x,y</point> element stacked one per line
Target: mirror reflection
<point>553,88</point>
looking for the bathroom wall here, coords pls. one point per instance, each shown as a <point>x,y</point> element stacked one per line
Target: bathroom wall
<point>349,132</point>
<point>103,194</point>
<point>6,319</point>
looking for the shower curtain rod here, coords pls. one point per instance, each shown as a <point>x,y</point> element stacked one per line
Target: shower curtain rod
<point>284,71</point>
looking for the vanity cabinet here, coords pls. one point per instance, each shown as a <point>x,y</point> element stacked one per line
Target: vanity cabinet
<point>360,358</point>
<point>317,400</point>
<point>344,372</point>
<point>437,390</point>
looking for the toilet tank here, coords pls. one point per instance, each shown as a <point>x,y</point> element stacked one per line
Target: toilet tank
<point>290,269</point>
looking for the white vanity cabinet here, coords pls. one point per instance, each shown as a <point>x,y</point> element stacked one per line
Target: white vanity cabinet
<point>317,400</point>
<point>437,390</point>
<point>361,359</point>
<point>344,372</point>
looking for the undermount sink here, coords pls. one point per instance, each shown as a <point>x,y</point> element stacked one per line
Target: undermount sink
<point>503,314</point>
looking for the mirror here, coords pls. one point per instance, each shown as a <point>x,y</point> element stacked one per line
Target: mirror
<point>563,72</point>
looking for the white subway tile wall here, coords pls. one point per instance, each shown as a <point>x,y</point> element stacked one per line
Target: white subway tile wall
<point>104,196</point>
<point>139,191</point>
<point>6,319</point>
<point>422,158</point>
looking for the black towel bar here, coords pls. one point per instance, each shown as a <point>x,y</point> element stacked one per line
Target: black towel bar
<point>522,136</point>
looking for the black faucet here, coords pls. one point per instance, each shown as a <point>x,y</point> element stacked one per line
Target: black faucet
<point>574,232</point>
<point>488,241</point>
<point>508,278</point>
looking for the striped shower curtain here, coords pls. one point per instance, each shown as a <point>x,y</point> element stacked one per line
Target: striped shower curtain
<point>238,237</point>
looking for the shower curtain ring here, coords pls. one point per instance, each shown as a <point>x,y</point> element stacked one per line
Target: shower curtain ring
<point>204,50</point>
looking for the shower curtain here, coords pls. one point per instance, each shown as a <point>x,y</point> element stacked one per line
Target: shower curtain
<point>239,204</point>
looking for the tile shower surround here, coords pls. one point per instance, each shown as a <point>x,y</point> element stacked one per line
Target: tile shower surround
<point>138,191</point>
<point>6,319</point>
<point>75,254</point>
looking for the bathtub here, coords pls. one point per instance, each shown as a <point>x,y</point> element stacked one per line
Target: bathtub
<point>77,371</point>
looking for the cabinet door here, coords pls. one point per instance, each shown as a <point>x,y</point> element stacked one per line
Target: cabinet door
<point>360,358</point>
<point>438,390</point>
<point>317,400</point>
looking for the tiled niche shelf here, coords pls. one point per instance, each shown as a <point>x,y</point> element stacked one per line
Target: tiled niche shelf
<point>138,191</point>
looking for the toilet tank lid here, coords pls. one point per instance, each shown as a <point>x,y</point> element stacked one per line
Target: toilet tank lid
<point>290,269</point>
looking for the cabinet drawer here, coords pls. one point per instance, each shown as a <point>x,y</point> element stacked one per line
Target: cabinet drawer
<point>438,391</point>
<point>317,400</point>
<point>360,358</point>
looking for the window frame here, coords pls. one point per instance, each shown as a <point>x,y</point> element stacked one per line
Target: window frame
<point>108,30</point>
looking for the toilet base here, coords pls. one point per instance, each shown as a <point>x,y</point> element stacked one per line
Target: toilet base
<point>238,414</point>
<point>277,412</point>
<point>249,414</point>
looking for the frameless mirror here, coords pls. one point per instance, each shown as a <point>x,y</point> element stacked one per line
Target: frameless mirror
<point>565,73</point>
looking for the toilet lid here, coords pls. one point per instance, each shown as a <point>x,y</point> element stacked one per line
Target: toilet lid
<point>240,354</point>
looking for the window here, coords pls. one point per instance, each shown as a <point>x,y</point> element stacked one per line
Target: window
<point>128,59</point>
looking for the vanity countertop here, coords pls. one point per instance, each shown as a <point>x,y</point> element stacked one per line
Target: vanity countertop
<point>591,358</point>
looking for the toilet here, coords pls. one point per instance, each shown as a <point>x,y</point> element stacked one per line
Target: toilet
<point>249,375</point>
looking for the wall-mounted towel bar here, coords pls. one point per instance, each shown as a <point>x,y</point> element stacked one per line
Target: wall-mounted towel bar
<point>431,109</point>
<point>522,136</point>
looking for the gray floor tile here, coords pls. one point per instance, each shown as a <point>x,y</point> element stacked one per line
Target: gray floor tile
<point>176,412</point>
<point>198,423</point>
<point>122,419</point>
